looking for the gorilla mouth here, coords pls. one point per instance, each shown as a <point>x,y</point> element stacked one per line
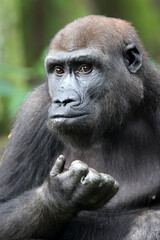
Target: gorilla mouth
<point>59,116</point>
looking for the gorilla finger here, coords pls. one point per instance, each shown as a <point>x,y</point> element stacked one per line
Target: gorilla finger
<point>109,181</point>
<point>93,177</point>
<point>78,168</point>
<point>76,171</point>
<point>58,166</point>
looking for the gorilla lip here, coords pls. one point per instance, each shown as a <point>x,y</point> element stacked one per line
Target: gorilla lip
<point>68,116</point>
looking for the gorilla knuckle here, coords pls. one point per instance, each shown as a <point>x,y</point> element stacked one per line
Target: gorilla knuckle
<point>79,167</point>
<point>94,176</point>
<point>108,181</point>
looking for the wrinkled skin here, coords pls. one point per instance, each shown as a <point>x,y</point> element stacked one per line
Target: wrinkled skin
<point>100,105</point>
<point>80,184</point>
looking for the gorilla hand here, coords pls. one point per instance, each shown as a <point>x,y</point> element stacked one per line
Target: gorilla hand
<point>80,187</point>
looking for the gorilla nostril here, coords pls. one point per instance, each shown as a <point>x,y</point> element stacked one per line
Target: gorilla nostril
<point>57,101</point>
<point>67,101</point>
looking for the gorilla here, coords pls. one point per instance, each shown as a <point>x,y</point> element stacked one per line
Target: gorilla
<point>83,160</point>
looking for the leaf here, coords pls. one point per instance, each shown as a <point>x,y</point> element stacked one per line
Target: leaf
<point>7,89</point>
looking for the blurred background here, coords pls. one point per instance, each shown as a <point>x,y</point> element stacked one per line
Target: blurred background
<point>27,26</point>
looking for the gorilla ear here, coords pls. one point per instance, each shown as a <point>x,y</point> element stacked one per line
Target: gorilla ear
<point>132,58</point>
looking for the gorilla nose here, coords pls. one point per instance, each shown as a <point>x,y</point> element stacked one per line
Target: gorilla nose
<point>66,100</point>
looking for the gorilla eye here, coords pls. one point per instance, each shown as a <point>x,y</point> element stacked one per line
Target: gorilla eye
<point>85,68</point>
<point>59,71</point>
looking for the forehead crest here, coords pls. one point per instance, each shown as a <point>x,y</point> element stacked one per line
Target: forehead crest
<point>92,32</point>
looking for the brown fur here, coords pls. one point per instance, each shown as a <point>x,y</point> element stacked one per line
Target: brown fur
<point>93,32</point>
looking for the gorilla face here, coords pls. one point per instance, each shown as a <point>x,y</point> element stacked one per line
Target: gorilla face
<point>76,85</point>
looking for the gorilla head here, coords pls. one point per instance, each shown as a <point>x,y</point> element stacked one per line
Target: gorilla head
<point>92,67</point>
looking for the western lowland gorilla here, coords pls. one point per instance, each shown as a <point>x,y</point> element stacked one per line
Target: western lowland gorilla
<point>100,105</point>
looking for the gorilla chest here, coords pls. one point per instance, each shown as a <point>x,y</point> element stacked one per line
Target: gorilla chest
<point>98,225</point>
<point>130,170</point>
<point>114,225</point>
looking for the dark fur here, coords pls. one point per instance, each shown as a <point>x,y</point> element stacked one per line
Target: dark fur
<point>128,146</point>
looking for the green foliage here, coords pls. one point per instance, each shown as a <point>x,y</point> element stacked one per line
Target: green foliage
<point>7,89</point>
<point>39,65</point>
<point>13,89</point>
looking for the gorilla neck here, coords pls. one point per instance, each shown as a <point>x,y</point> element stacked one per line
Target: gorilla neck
<point>82,136</point>
<point>78,141</point>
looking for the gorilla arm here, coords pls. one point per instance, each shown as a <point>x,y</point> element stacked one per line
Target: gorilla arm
<point>41,212</point>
